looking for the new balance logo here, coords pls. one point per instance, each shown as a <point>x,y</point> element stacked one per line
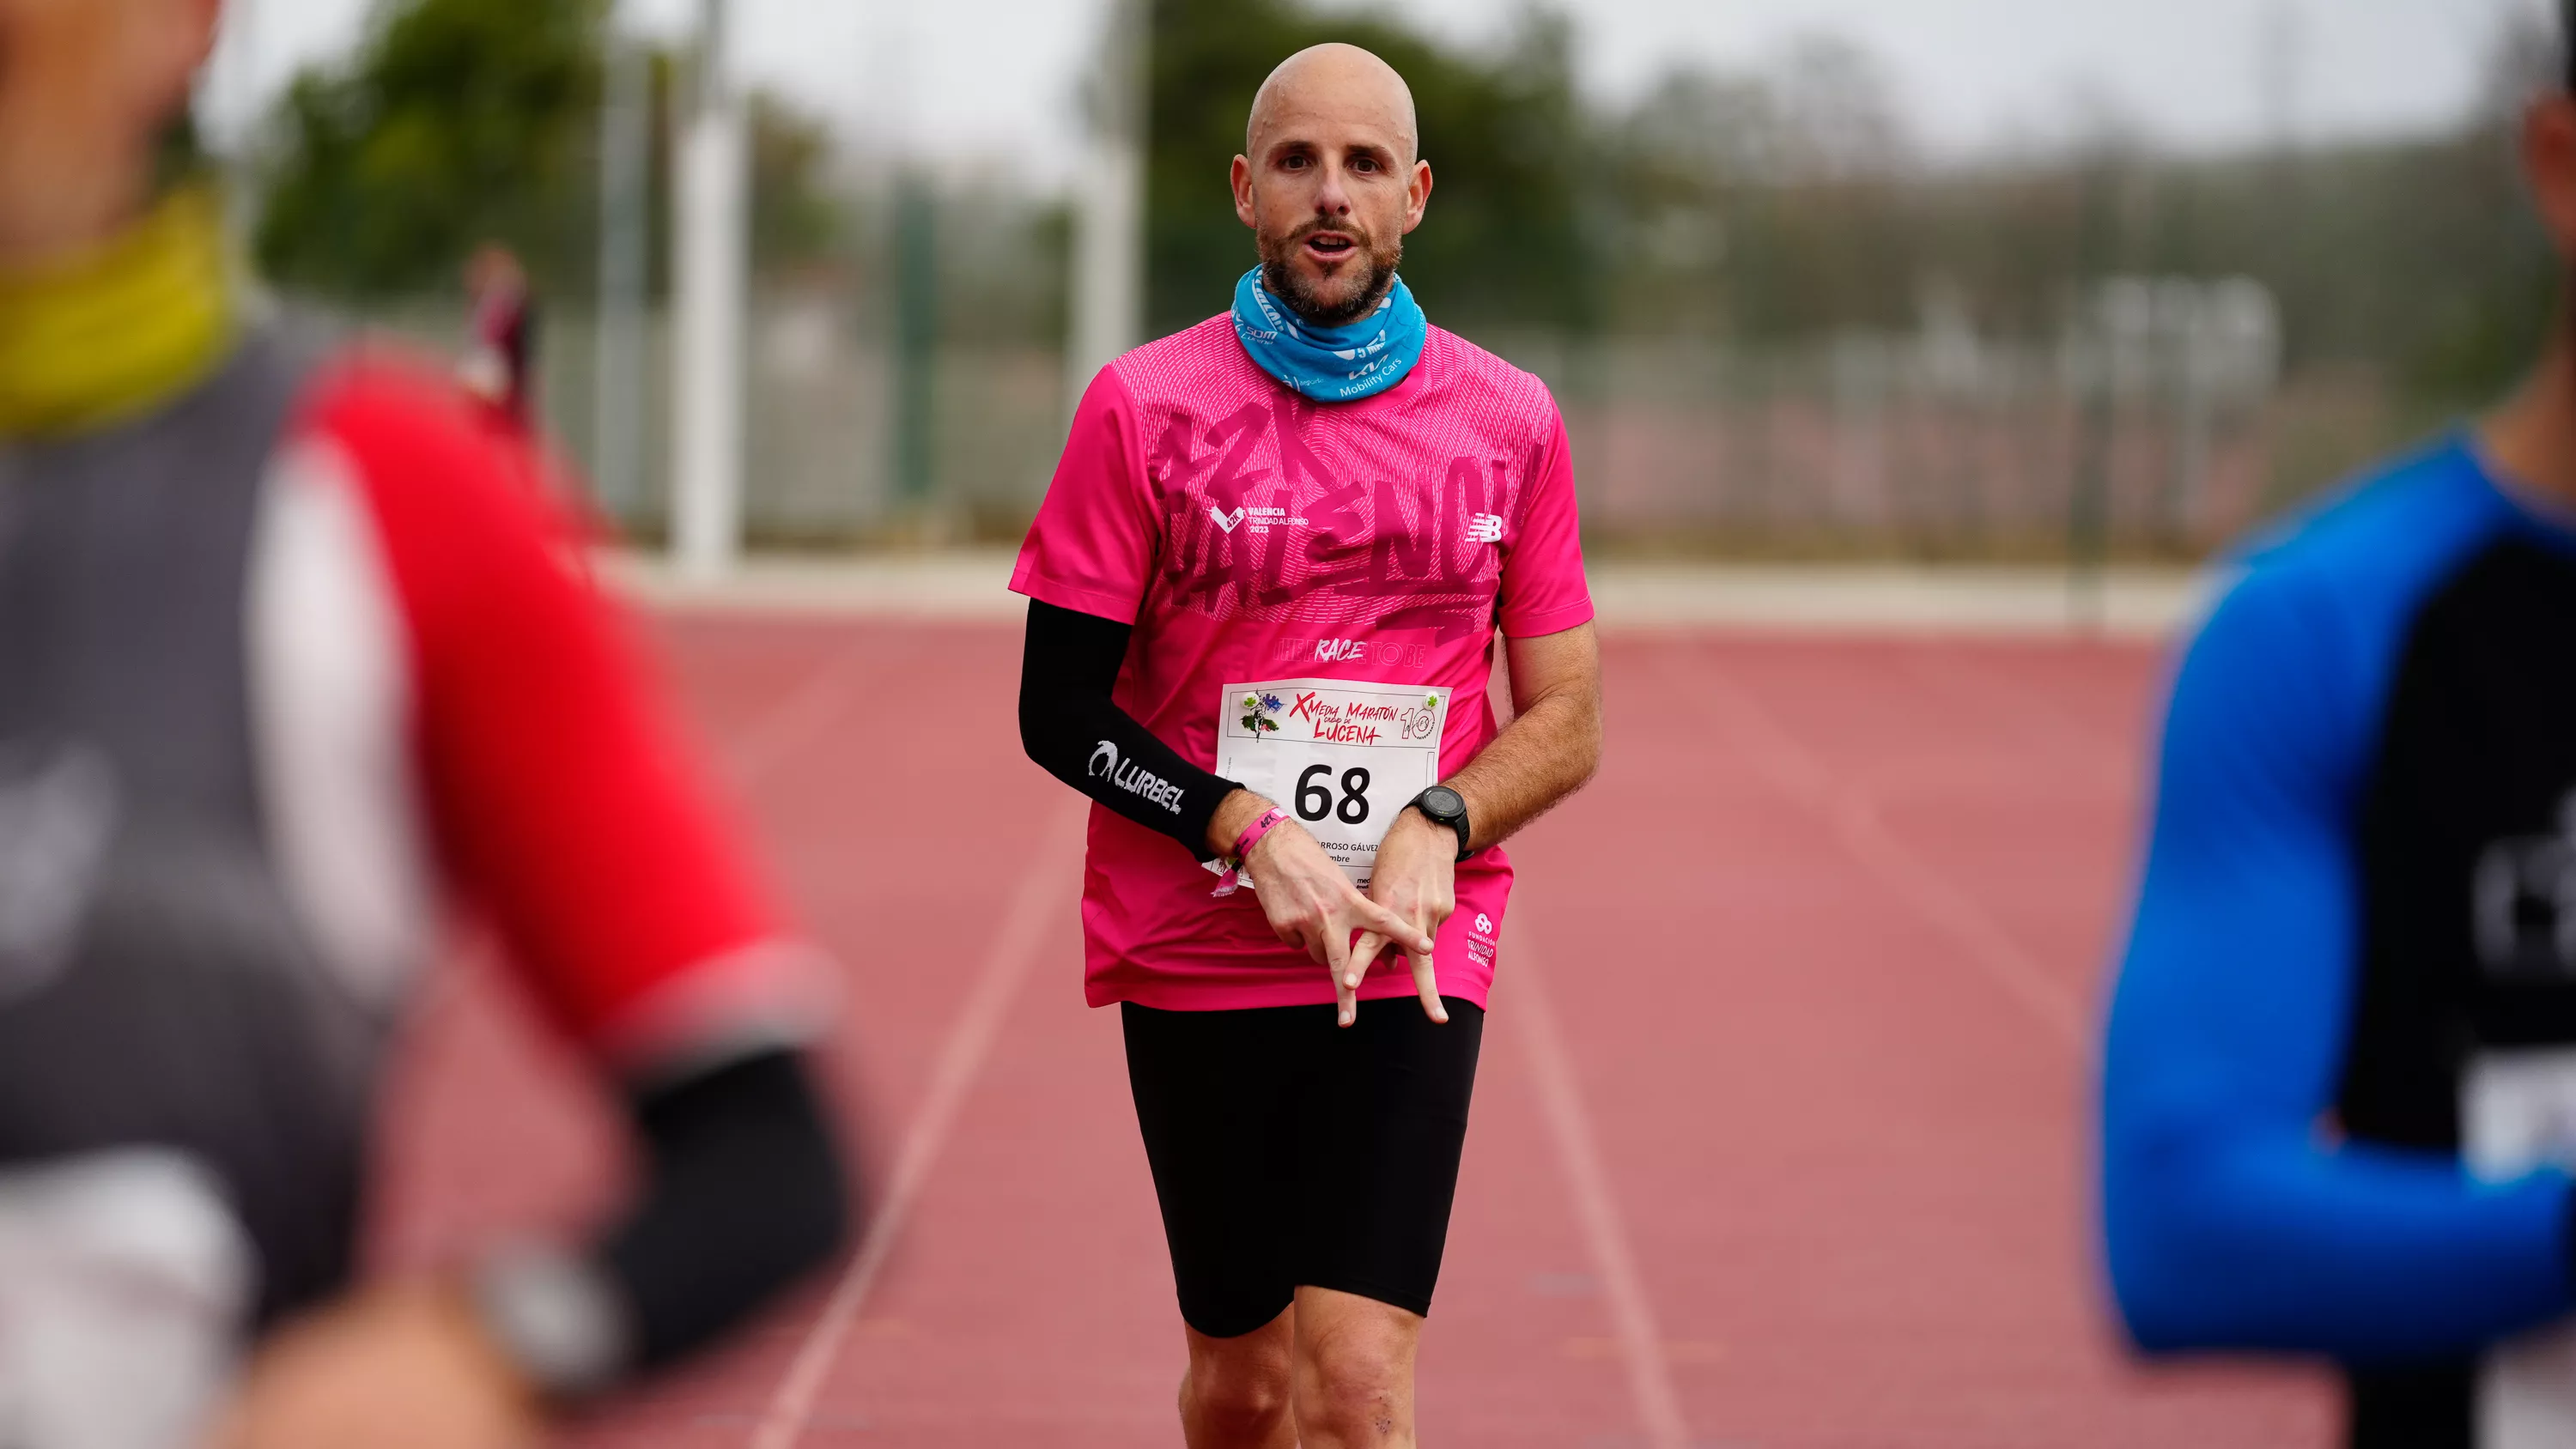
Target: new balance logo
<point>1485,528</point>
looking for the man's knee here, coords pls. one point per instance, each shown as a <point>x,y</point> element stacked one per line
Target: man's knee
<point>1354,1403</point>
<point>1244,1381</point>
<point>1356,1376</point>
<point>1240,1399</point>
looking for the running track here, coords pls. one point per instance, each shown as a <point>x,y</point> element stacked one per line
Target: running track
<point>1778,1140</point>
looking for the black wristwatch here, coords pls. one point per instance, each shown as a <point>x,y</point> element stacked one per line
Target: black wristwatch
<point>1443,806</point>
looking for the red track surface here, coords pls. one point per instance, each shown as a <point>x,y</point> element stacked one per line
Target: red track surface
<point>1780,1134</point>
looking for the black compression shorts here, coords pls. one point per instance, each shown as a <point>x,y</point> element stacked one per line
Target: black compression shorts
<point>1291,1152</point>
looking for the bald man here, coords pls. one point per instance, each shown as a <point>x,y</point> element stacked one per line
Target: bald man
<point>1265,589</point>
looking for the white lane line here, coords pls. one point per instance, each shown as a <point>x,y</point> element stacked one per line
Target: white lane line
<point>808,707</point>
<point>1866,837</point>
<point>1793,770</point>
<point>1605,1234</point>
<point>2095,752</point>
<point>1044,882</point>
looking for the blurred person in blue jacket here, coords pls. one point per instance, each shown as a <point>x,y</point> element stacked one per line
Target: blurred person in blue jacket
<point>2339,1089</point>
<point>292,661</point>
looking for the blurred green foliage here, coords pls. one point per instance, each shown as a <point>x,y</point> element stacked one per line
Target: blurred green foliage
<point>2417,258</point>
<point>1785,201</point>
<point>457,121</point>
<point>1760,207</point>
<point>463,121</point>
<point>1764,205</point>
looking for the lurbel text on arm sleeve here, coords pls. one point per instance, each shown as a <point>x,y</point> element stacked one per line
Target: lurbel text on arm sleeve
<point>1071,726</point>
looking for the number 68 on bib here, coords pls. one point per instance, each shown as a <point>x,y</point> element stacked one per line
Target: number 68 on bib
<point>1342,756</point>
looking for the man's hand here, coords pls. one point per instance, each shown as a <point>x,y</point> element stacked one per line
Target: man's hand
<point>1313,906</point>
<point>1416,879</point>
<point>399,1367</point>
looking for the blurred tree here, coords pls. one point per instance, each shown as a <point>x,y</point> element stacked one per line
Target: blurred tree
<point>460,121</point>
<point>795,217</point>
<point>1763,206</point>
<point>1506,242</point>
<point>1782,203</point>
<point>2489,327</point>
<point>456,121</point>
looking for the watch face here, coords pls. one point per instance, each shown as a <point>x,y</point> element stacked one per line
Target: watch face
<point>1441,800</point>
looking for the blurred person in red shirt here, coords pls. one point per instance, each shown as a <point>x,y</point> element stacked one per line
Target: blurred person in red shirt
<point>500,362</point>
<point>290,661</point>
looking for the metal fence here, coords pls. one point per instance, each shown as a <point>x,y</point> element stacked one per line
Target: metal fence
<point>1925,445</point>
<point>819,409</point>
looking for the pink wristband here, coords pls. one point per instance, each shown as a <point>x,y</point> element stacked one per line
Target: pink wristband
<point>1252,833</point>
<point>1232,876</point>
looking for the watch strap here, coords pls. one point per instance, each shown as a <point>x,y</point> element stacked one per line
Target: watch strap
<point>1457,825</point>
<point>557,1319</point>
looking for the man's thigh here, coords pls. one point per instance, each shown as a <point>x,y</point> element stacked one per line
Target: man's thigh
<point>1380,1131</point>
<point>1216,1103</point>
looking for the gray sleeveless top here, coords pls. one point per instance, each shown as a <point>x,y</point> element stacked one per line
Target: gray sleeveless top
<point>155,987</point>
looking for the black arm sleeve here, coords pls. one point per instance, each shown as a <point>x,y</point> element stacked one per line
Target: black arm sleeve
<point>745,1195</point>
<point>1070,726</point>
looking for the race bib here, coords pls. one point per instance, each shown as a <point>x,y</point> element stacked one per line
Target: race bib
<point>1342,757</point>
<point>2518,1112</point>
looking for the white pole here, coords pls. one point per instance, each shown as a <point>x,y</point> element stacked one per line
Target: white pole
<point>1109,207</point>
<point>233,81</point>
<point>710,281</point>
<point>241,78</point>
<point>617,371</point>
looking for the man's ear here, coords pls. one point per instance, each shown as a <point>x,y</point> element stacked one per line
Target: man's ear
<point>1241,176</point>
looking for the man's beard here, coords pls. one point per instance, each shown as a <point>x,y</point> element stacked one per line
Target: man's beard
<point>1369,284</point>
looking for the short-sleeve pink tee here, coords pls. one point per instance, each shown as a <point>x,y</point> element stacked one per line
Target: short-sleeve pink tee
<point>1249,535</point>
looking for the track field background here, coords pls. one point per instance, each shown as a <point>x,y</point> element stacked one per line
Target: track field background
<point>1779,1139</point>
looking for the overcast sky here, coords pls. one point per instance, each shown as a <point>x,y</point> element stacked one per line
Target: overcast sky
<point>993,79</point>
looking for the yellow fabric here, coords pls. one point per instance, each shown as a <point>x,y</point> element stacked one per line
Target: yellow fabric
<point>92,339</point>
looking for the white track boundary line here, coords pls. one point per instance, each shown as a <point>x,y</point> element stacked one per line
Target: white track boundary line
<point>1864,836</point>
<point>2088,747</point>
<point>1605,1234</point>
<point>1043,882</point>
<point>800,715</point>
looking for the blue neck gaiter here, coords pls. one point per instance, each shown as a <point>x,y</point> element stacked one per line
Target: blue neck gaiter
<point>1330,364</point>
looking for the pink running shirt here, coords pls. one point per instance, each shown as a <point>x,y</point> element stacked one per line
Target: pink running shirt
<point>1252,536</point>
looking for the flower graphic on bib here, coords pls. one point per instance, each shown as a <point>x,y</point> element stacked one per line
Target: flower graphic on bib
<point>1257,712</point>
